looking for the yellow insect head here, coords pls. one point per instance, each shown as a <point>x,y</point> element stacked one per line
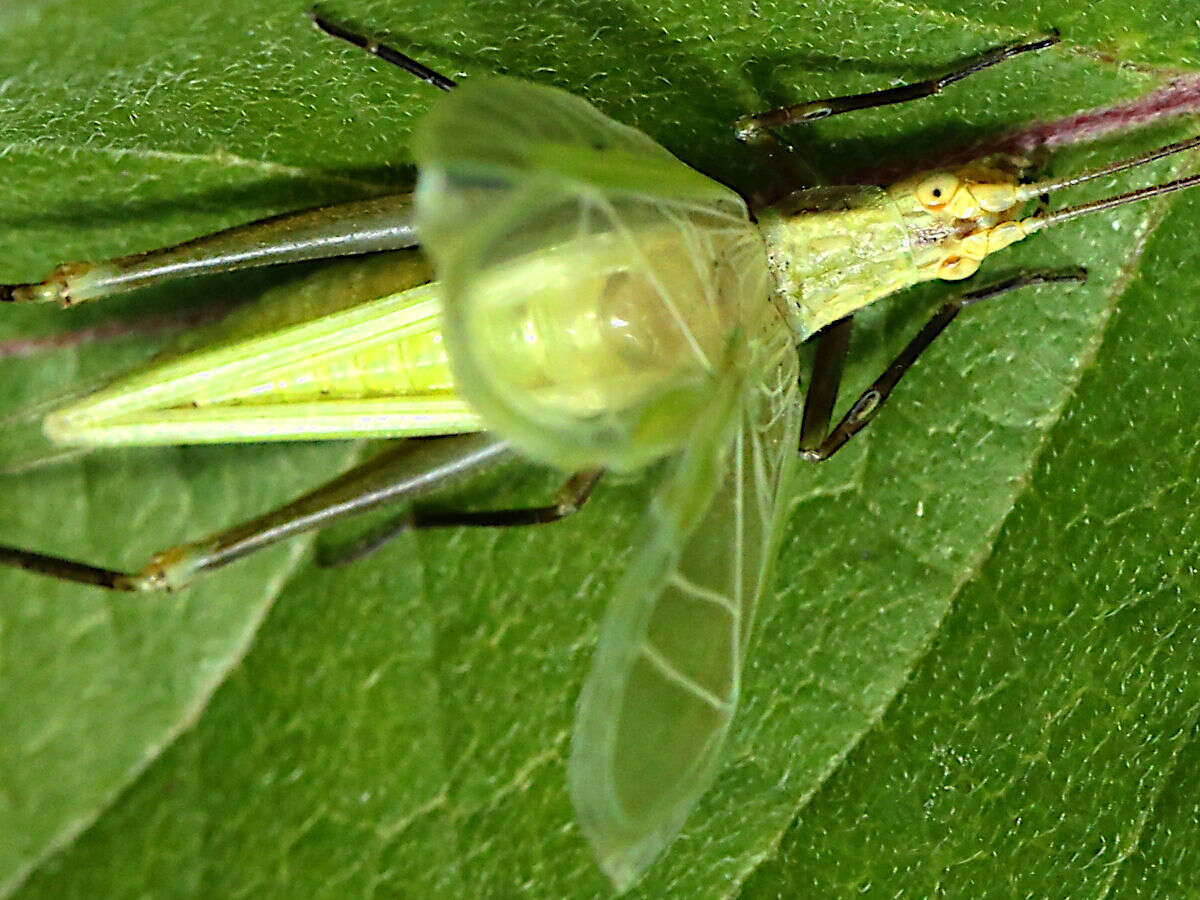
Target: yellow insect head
<point>957,217</point>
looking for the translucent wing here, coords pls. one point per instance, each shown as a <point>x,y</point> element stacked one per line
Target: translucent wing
<point>606,306</point>
<point>592,282</point>
<point>664,685</point>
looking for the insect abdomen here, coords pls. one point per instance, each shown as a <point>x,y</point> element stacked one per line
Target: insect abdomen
<point>413,363</point>
<point>343,354</point>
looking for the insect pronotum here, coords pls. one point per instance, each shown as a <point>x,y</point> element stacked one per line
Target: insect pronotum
<point>604,306</point>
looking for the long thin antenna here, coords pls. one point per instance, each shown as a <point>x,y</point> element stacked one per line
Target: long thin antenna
<point>1084,209</point>
<point>1037,188</point>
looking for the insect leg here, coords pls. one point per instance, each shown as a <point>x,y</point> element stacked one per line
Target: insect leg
<point>753,128</point>
<point>569,500</point>
<point>345,229</point>
<point>409,470</point>
<point>864,409</point>
<point>822,392</point>
<point>382,51</point>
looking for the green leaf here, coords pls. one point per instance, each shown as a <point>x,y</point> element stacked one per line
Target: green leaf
<point>977,674</point>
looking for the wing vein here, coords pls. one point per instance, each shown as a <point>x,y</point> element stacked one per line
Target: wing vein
<point>685,586</point>
<point>652,276</point>
<point>738,221</point>
<point>739,549</point>
<point>667,669</point>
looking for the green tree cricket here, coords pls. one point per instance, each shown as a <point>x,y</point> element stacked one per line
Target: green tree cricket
<point>598,306</point>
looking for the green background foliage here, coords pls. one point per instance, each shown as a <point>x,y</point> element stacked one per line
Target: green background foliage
<point>978,674</point>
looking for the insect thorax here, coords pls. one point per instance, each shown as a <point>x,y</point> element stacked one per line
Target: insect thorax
<point>833,250</point>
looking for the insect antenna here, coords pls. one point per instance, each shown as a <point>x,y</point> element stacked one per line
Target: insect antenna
<point>1039,188</point>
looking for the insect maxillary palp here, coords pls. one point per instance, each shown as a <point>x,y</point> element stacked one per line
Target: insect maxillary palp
<point>959,216</point>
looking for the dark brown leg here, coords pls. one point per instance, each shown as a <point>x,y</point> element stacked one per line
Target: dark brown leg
<point>411,469</point>
<point>569,500</point>
<point>382,51</point>
<point>365,226</point>
<point>345,229</point>
<point>757,128</point>
<point>864,409</point>
<point>832,344</point>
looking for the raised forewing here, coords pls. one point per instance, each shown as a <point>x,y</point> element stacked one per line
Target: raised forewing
<point>663,689</point>
<point>606,305</point>
<point>592,282</point>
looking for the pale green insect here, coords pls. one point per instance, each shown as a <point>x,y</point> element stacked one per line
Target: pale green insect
<point>603,306</point>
